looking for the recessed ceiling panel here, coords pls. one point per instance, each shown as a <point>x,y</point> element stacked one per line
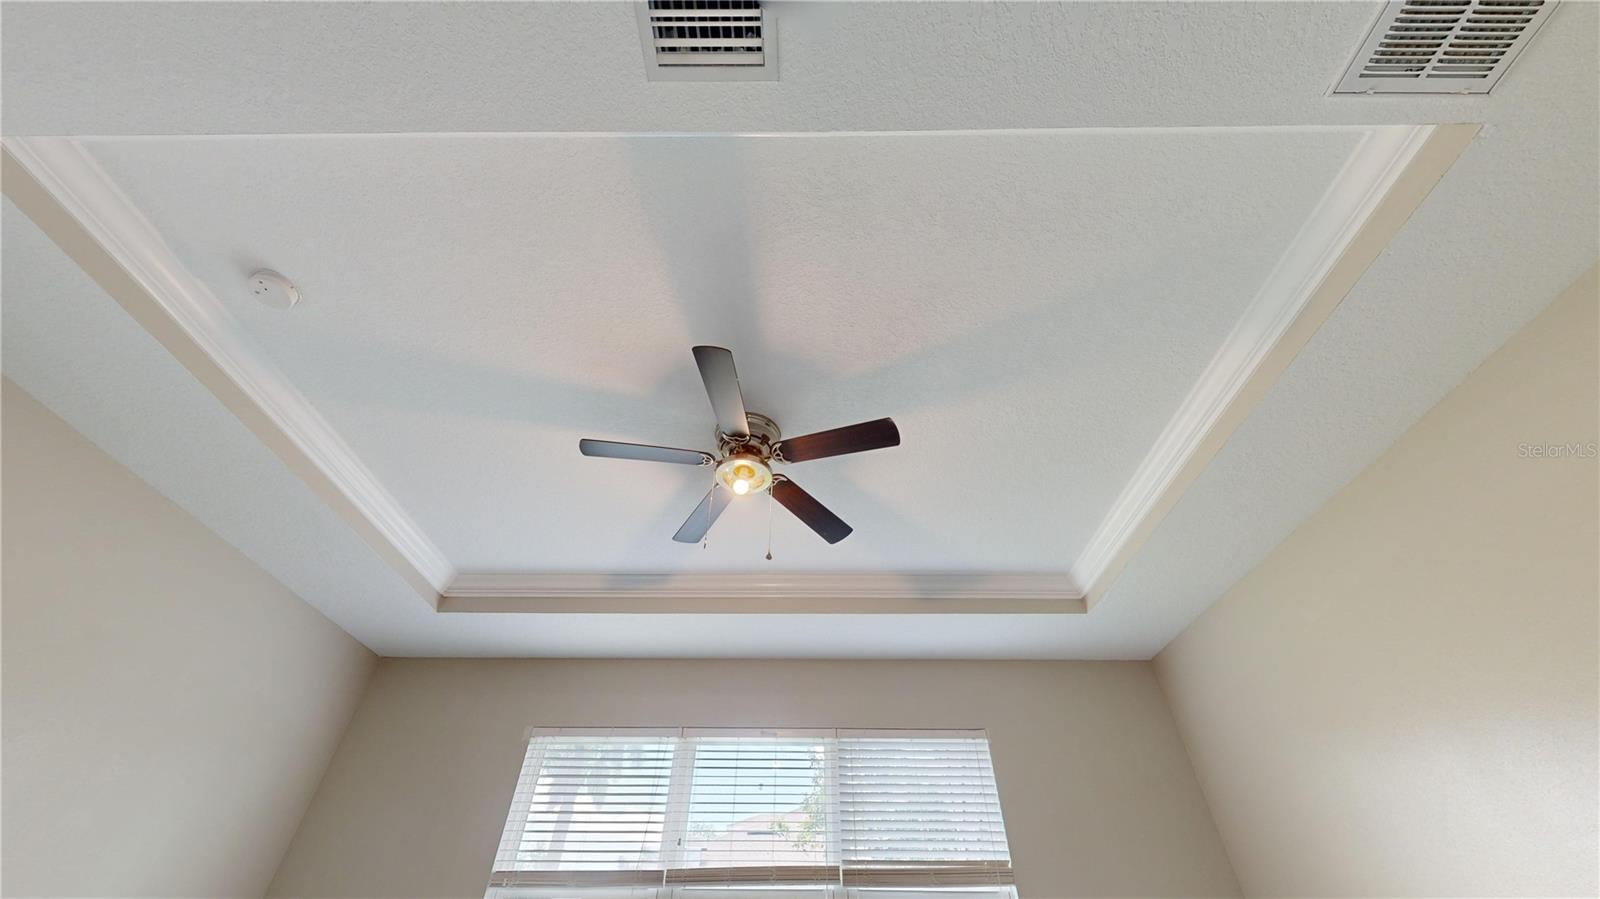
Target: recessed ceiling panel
<point>1031,308</point>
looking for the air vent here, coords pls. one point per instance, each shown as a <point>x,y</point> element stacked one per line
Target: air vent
<point>712,40</point>
<point>1443,46</point>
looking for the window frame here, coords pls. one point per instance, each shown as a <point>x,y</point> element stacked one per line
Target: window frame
<point>994,879</point>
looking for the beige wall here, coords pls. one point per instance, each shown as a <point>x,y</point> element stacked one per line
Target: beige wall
<point>1098,796</point>
<point>168,706</point>
<point>1401,700</point>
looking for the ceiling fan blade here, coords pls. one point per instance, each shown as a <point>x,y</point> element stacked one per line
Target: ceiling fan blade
<point>805,507</point>
<point>868,435</point>
<point>704,516</point>
<point>610,449</point>
<point>722,386</point>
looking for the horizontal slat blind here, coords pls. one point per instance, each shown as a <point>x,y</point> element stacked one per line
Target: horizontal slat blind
<point>917,811</point>
<point>686,810</point>
<point>758,809</point>
<point>588,810</point>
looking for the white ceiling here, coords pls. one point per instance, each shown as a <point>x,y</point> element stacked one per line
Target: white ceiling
<point>476,303</point>
<point>151,68</point>
<point>1031,309</point>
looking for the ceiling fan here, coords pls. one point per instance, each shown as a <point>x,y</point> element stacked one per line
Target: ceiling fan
<point>747,446</point>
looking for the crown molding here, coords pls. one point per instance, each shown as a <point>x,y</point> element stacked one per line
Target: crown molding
<point>756,592</point>
<point>1382,183</point>
<point>56,183</point>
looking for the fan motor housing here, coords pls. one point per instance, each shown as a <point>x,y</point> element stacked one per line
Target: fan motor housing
<point>764,435</point>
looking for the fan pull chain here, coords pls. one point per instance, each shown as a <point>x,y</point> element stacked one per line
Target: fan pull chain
<point>769,522</point>
<point>705,536</point>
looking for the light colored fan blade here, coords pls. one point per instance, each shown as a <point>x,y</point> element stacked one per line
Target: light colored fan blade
<point>611,449</point>
<point>704,516</point>
<point>722,386</point>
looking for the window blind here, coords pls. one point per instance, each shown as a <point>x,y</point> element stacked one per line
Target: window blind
<point>588,810</point>
<point>920,811</point>
<point>758,808</point>
<point>691,812</point>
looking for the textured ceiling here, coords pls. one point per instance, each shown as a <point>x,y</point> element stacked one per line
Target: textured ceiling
<point>1509,226</point>
<point>229,68</point>
<point>1030,308</point>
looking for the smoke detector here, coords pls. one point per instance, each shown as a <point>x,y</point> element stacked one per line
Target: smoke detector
<point>708,40</point>
<point>273,290</point>
<point>1443,46</point>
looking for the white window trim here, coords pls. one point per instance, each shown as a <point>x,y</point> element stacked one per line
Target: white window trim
<point>853,883</point>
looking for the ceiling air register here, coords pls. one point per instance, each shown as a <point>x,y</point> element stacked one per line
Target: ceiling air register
<point>1443,46</point>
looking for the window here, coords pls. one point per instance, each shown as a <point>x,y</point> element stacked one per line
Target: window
<point>697,813</point>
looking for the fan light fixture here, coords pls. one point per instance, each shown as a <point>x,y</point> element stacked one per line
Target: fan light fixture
<point>748,443</point>
<point>744,474</point>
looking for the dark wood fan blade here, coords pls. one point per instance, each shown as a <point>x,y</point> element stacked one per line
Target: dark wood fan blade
<point>869,435</point>
<point>722,386</point>
<point>805,507</point>
<point>704,516</point>
<point>610,449</point>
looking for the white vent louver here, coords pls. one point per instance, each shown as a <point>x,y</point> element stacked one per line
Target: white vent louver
<point>707,32</point>
<point>1443,46</point>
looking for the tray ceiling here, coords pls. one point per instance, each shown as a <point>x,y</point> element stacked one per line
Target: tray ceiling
<point>1063,334</point>
<point>476,302</point>
<point>1032,310</point>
